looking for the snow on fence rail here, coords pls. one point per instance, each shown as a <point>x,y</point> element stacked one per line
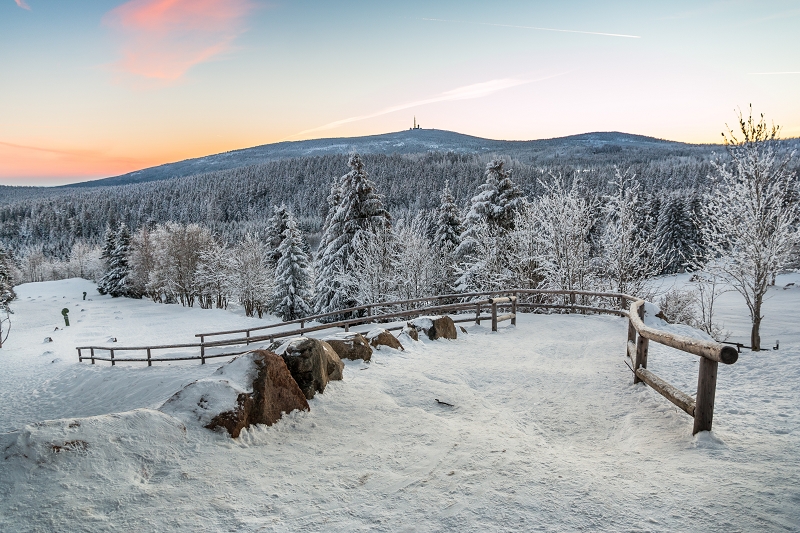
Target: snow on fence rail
<point>639,335</point>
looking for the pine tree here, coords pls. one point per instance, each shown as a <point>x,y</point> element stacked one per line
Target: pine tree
<point>109,243</point>
<point>673,235</point>
<point>292,296</point>
<point>448,222</point>
<point>355,207</point>
<point>276,228</point>
<point>115,281</point>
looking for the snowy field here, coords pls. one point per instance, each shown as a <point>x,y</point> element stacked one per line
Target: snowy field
<point>547,431</point>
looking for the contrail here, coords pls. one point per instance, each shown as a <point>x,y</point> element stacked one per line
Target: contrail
<point>537,28</point>
<point>476,90</point>
<point>767,73</point>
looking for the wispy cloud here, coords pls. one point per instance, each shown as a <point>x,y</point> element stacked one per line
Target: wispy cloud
<point>536,28</point>
<point>162,39</point>
<point>23,4</point>
<point>768,73</point>
<point>467,92</point>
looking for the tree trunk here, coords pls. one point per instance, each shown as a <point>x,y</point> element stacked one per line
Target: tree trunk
<point>755,336</point>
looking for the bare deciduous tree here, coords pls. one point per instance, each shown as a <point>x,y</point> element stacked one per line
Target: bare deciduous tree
<point>752,214</point>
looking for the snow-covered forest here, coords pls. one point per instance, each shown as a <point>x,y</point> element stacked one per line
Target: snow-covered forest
<point>428,224</point>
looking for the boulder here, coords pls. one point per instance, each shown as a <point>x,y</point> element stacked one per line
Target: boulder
<point>350,345</point>
<point>441,327</point>
<point>312,363</point>
<point>378,337</point>
<point>411,331</point>
<point>254,388</point>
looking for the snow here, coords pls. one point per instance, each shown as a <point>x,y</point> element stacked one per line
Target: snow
<point>546,431</point>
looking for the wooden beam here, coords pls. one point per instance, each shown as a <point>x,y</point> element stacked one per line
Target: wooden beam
<point>678,397</point>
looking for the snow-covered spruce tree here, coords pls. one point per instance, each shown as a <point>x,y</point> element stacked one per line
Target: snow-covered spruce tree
<point>673,240</point>
<point>448,221</point>
<point>251,278</point>
<point>109,244</point>
<point>291,297</point>
<point>752,214</point>
<point>115,281</point>
<point>491,217</point>
<point>6,293</point>
<point>446,239</point>
<point>565,218</point>
<point>354,207</point>
<point>626,260</point>
<point>276,228</point>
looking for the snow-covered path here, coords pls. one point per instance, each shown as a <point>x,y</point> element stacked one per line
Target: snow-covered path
<point>546,432</point>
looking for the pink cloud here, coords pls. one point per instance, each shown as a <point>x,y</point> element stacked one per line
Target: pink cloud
<point>164,38</point>
<point>22,4</point>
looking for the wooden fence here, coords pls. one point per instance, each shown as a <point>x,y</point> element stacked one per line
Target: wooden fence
<point>711,354</point>
<point>479,307</point>
<point>465,308</point>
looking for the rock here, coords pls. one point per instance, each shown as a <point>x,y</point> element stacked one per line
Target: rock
<point>411,331</point>
<point>441,327</point>
<point>378,337</point>
<point>351,346</point>
<point>312,363</point>
<point>254,388</point>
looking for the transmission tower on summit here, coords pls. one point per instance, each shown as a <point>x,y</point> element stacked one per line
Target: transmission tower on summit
<point>416,126</point>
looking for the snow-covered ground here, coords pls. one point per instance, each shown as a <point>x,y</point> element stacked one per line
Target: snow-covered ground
<point>546,432</point>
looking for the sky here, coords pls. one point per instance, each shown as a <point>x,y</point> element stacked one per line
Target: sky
<point>98,88</point>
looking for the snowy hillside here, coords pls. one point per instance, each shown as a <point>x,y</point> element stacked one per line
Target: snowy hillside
<point>546,431</point>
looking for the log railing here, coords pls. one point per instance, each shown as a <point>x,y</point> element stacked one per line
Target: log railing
<point>469,309</point>
<point>701,408</point>
<point>466,309</point>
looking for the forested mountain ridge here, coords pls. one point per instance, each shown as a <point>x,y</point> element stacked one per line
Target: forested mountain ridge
<point>587,148</point>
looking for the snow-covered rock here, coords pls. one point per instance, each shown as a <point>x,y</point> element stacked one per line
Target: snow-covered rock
<point>51,441</point>
<point>441,327</point>
<point>350,345</point>
<point>254,388</point>
<point>378,337</point>
<point>312,363</point>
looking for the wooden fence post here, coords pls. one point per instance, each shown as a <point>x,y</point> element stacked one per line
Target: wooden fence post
<point>706,390</point>
<point>572,301</point>
<point>246,335</point>
<point>642,345</point>
<point>203,349</point>
<point>80,359</point>
<point>112,357</point>
<point>494,316</point>
<point>514,309</point>
<point>478,314</point>
<point>149,362</point>
<point>631,337</point>
<point>91,351</point>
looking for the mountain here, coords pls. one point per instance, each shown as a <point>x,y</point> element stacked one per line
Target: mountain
<point>580,149</point>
